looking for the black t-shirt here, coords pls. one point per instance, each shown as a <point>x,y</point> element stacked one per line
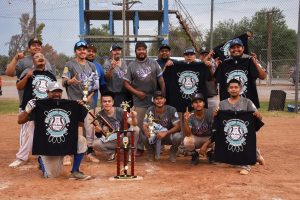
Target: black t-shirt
<point>242,69</point>
<point>56,126</point>
<point>36,86</point>
<point>234,134</point>
<point>222,50</point>
<point>183,80</point>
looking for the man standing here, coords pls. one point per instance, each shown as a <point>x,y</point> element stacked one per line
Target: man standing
<point>164,56</point>
<point>115,117</point>
<point>91,56</point>
<point>166,127</point>
<point>141,80</point>
<point>115,69</point>
<point>34,84</point>
<point>242,67</point>
<point>78,74</point>
<point>51,165</point>
<point>189,55</point>
<point>197,126</point>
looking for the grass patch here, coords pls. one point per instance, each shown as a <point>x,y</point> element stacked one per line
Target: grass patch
<point>9,107</point>
<point>264,105</point>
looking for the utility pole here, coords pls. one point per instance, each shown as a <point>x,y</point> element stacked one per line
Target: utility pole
<point>269,49</point>
<point>211,24</point>
<point>124,28</point>
<point>298,64</point>
<point>34,17</point>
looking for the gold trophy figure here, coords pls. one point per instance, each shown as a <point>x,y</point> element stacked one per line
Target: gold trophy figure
<point>151,124</point>
<point>125,142</point>
<point>85,91</point>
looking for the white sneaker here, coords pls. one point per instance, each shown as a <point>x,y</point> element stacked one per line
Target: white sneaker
<point>92,158</point>
<point>67,160</point>
<point>16,163</point>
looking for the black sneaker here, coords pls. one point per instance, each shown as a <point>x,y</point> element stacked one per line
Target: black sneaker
<point>210,156</point>
<point>195,158</point>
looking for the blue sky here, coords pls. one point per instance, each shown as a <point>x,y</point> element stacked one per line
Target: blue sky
<point>62,25</point>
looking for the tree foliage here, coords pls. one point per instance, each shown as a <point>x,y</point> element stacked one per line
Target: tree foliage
<point>19,42</point>
<point>3,62</point>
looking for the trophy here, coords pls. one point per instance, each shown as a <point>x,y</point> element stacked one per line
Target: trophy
<point>126,148</point>
<point>85,91</point>
<point>151,124</point>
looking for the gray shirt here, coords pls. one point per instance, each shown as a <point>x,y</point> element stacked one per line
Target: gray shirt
<point>243,104</point>
<point>116,121</point>
<point>201,127</point>
<point>143,75</point>
<point>167,120</point>
<point>115,83</point>
<point>85,73</point>
<point>23,67</point>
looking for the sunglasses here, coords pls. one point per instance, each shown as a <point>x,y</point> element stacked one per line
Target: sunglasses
<point>80,43</point>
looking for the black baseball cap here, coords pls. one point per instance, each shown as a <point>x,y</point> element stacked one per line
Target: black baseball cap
<point>204,51</point>
<point>91,46</point>
<point>34,40</point>
<point>79,44</point>
<point>140,44</point>
<point>197,96</point>
<point>158,93</point>
<point>164,46</point>
<point>189,50</point>
<point>114,47</point>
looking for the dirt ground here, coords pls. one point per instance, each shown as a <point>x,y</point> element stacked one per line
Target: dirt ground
<point>279,141</point>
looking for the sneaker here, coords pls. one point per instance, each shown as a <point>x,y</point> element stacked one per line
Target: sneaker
<point>244,172</point>
<point>150,157</point>
<point>16,163</point>
<point>79,176</point>
<point>111,158</point>
<point>195,158</point>
<point>92,158</point>
<point>67,160</point>
<point>210,156</point>
<point>173,154</point>
<point>260,160</point>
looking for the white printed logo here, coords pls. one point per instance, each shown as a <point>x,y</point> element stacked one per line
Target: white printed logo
<point>236,131</point>
<point>188,81</point>
<point>57,123</point>
<point>39,86</point>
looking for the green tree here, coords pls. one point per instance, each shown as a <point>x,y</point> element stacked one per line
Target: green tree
<point>3,62</point>
<point>19,42</point>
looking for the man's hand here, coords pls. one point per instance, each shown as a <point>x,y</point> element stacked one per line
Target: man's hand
<point>215,112</point>
<point>80,102</point>
<point>258,115</point>
<point>187,114</point>
<point>29,73</point>
<point>133,114</point>
<point>30,105</point>
<point>141,95</point>
<point>169,63</point>
<point>19,56</point>
<point>161,135</point>
<point>73,80</point>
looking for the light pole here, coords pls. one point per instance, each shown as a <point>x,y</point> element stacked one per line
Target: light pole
<point>211,24</point>
<point>34,17</point>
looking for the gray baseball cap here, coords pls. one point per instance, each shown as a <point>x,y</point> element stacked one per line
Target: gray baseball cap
<point>53,86</point>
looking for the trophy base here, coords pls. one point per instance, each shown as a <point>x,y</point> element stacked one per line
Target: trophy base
<point>125,177</point>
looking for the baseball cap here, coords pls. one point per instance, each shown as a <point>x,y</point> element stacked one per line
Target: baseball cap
<point>197,96</point>
<point>34,40</point>
<point>164,46</point>
<point>158,93</point>
<point>204,51</point>
<point>53,86</point>
<point>140,44</point>
<point>189,50</point>
<point>91,46</point>
<point>79,44</point>
<point>114,47</point>
<point>236,41</point>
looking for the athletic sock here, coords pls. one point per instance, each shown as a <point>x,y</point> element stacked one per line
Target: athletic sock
<point>76,162</point>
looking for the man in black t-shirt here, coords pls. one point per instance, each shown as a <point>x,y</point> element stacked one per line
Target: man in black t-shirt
<point>242,67</point>
<point>57,121</point>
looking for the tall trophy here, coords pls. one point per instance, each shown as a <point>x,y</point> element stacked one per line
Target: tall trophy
<point>126,147</point>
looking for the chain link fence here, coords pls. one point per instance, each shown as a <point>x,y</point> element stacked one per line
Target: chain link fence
<point>230,18</point>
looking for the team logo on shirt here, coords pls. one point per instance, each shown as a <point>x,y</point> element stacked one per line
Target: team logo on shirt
<point>188,81</point>
<point>241,76</point>
<point>225,49</point>
<point>57,122</point>
<point>39,86</point>
<point>143,73</point>
<point>236,130</point>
